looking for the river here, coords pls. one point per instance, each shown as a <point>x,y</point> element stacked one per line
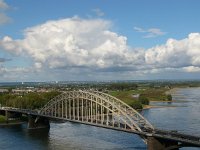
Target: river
<point>182,115</point>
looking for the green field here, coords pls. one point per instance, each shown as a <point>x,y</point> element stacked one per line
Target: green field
<point>155,94</point>
<point>151,94</point>
<point>127,97</point>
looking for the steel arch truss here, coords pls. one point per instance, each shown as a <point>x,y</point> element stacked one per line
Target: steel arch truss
<point>95,108</point>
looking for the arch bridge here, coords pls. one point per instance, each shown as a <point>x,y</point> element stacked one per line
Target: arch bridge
<point>96,108</point>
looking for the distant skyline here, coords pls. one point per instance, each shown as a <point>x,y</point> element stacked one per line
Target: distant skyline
<point>69,40</point>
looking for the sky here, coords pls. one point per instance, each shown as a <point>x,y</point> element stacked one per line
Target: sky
<point>75,40</point>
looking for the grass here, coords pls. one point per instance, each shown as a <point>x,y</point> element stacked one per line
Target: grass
<point>2,119</point>
<point>126,96</point>
<point>155,94</point>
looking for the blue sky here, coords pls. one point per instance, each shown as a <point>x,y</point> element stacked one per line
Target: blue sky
<point>133,39</point>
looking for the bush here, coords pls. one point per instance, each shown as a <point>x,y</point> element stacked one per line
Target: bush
<point>2,119</point>
<point>144,100</point>
<point>169,97</point>
<point>136,104</point>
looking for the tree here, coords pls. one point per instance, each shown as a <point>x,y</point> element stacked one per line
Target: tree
<point>144,100</point>
<point>169,97</point>
<point>136,104</point>
<point>122,86</point>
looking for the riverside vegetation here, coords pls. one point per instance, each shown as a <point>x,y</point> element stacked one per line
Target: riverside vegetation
<point>2,119</point>
<point>27,100</point>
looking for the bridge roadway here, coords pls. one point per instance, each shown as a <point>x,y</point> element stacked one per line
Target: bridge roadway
<point>185,140</point>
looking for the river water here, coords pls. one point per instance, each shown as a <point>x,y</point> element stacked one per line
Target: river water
<point>182,115</point>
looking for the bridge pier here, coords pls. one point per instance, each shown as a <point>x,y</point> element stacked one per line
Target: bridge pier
<point>7,116</point>
<point>161,144</point>
<point>41,122</point>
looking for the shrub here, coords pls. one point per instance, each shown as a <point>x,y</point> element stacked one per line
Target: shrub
<point>144,100</point>
<point>136,104</point>
<point>2,119</point>
<point>169,97</point>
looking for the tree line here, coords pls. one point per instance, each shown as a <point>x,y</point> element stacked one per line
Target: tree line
<point>27,100</point>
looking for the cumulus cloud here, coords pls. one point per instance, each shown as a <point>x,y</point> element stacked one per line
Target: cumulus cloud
<point>150,33</point>
<point>73,42</point>
<point>176,53</point>
<point>89,45</point>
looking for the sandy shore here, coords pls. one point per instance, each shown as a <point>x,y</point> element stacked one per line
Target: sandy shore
<point>156,106</point>
<point>164,101</point>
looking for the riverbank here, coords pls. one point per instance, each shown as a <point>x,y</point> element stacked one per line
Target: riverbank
<point>156,106</point>
<point>11,124</point>
<point>5,122</point>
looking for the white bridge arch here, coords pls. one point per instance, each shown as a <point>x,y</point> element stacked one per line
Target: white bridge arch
<point>96,108</point>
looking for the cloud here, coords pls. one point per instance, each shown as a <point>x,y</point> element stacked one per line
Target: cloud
<point>176,53</point>
<point>89,47</point>
<point>98,12</point>
<point>191,69</point>
<point>3,5</point>
<point>73,42</point>
<point>2,60</point>
<point>150,33</point>
<point>15,73</point>
<point>3,17</point>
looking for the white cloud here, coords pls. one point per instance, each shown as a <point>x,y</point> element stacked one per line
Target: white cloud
<point>150,33</point>
<point>98,12</point>
<point>176,54</point>
<point>73,42</point>
<point>76,45</point>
